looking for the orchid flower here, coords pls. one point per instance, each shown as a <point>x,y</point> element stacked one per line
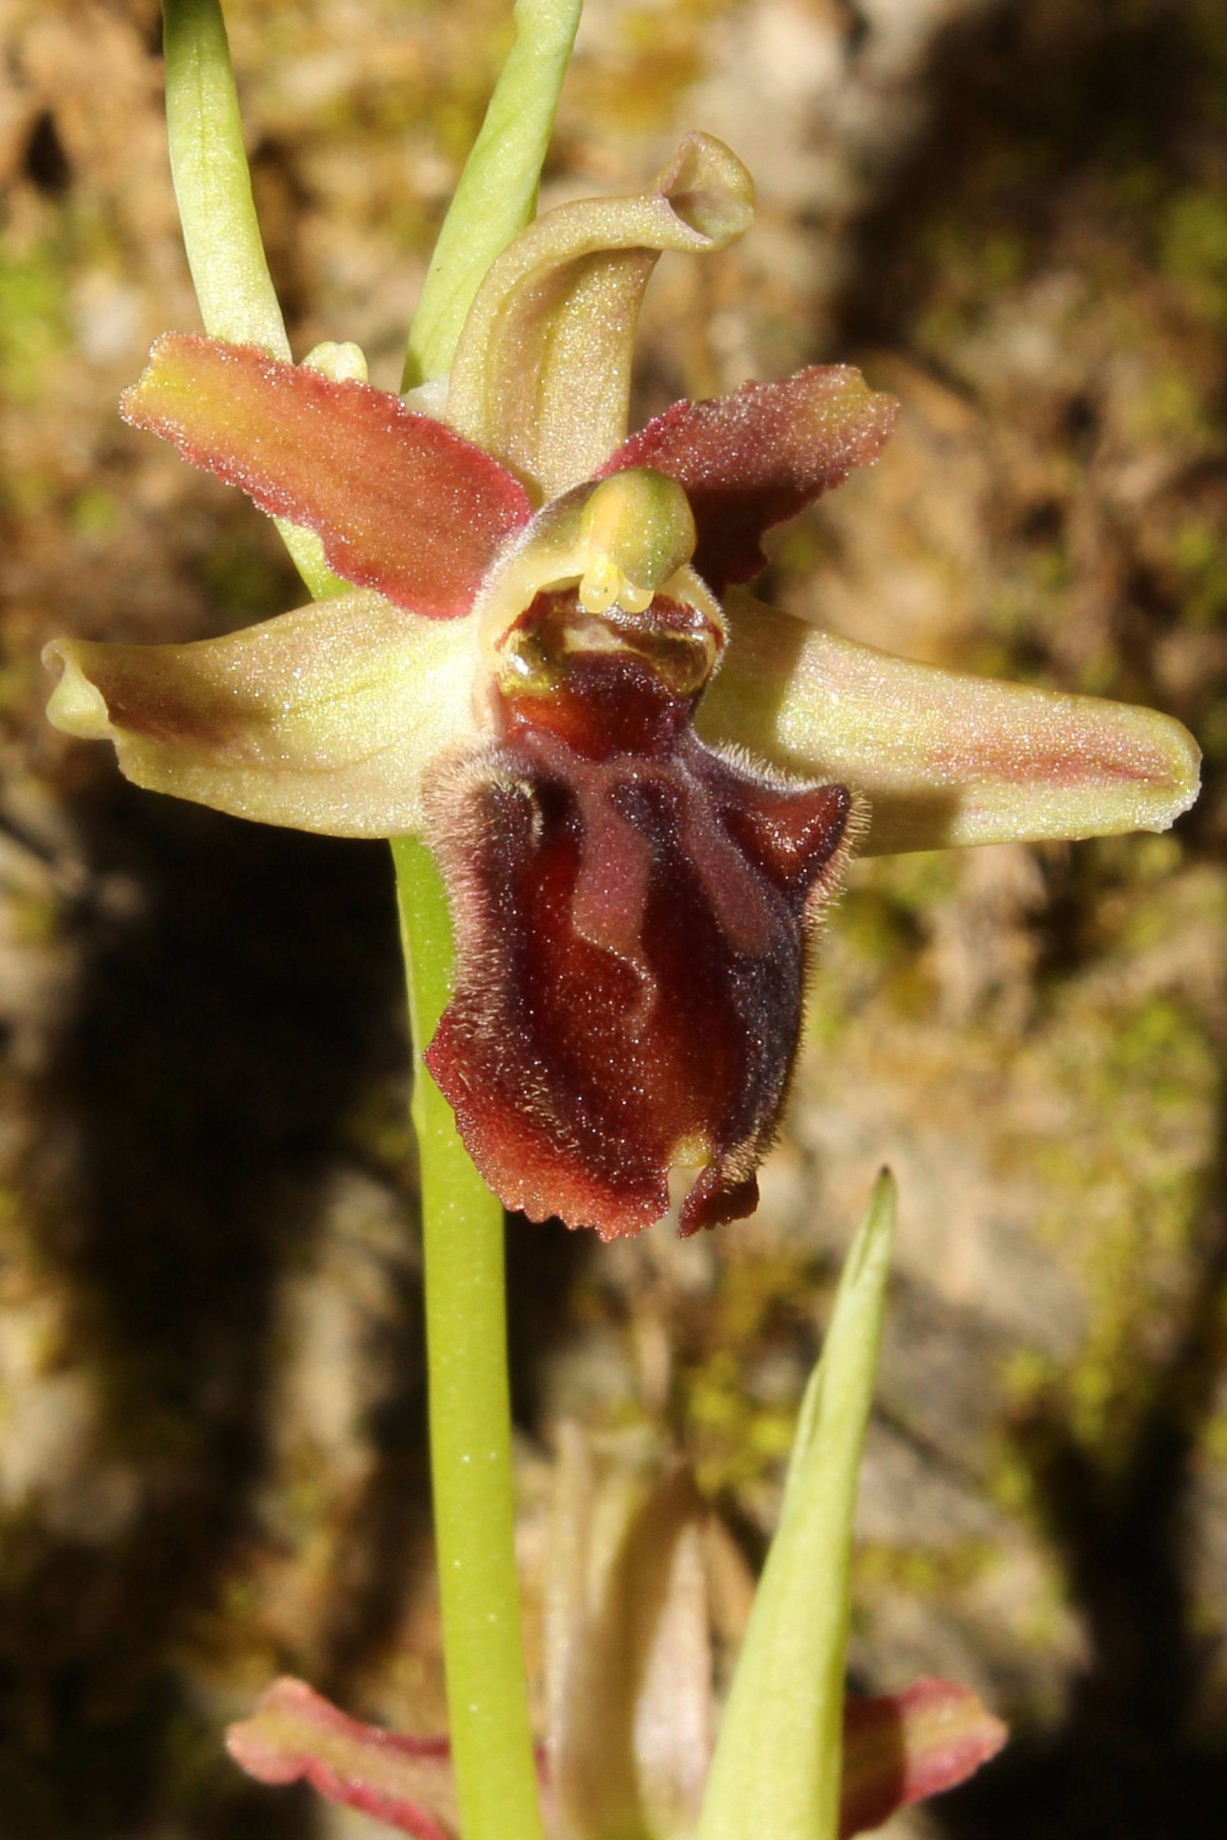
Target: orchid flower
<point>641,785</point>
<point>898,1749</point>
<point>635,1601</point>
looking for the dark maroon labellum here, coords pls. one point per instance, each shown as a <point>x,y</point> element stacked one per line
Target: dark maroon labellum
<point>632,912</point>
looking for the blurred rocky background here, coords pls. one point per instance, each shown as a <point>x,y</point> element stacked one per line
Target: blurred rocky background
<point>211,1402</point>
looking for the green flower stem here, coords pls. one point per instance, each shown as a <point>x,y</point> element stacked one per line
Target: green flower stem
<point>225,252</point>
<point>462,1223</point>
<point>470,1418</point>
<point>470,1413</point>
<point>497,193</point>
<point>212,183</point>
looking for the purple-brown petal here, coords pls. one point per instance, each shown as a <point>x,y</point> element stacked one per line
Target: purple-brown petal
<point>752,459</point>
<point>404,504</point>
<point>632,913</point>
<point>904,1747</point>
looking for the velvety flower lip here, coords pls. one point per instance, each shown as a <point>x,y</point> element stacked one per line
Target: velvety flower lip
<point>642,798</point>
<point>615,905</point>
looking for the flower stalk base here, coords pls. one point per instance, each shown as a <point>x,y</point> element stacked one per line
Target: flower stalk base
<point>470,1411</point>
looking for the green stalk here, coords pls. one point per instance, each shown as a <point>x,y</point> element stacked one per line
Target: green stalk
<point>208,164</point>
<point>470,1417</point>
<point>470,1412</point>
<point>497,193</point>
<point>212,184</point>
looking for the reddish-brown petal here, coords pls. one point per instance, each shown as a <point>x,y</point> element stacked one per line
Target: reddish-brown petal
<point>295,1735</point>
<point>403,503</point>
<point>607,1028</point>
<point>750,460</point>
<point>906,1746</point>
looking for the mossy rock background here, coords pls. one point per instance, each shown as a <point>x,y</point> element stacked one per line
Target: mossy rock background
<point>211,1411</point>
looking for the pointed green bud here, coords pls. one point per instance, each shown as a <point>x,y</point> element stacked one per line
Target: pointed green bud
<point>777,1766</point>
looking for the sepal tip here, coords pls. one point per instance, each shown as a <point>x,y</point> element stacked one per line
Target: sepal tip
<point>76,706</point>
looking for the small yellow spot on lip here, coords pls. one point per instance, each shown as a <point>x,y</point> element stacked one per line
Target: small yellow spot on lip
<point>690,1158</point>
<point>692,1154</point>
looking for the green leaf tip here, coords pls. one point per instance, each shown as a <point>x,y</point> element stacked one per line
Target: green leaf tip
<point>221,232</point>
<point>497,193</point>
<point>212,180</point>
<point>778,1760</point>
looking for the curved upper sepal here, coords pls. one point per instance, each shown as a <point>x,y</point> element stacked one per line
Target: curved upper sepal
<point>541,376</point>
<point>752,459</point>
<point>631,931</point>
<point>944,758</point>
<point>403,503</point>
<point>322,720</point>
